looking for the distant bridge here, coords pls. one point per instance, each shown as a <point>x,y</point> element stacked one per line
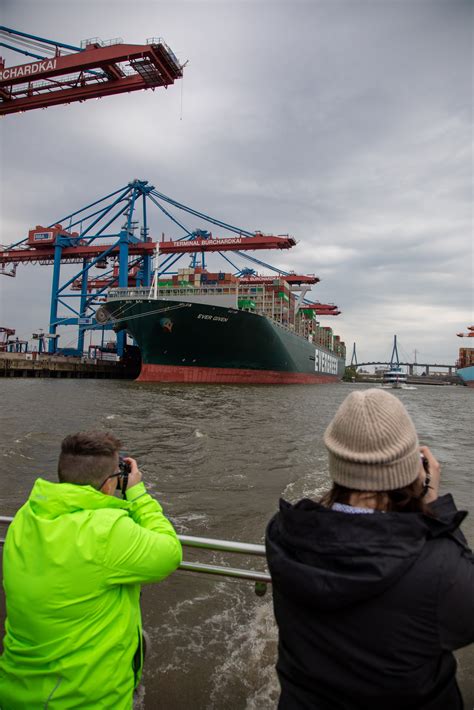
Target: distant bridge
<point>411,366</point>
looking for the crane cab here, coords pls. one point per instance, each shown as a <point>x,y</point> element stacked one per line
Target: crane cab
<point>46,236</point>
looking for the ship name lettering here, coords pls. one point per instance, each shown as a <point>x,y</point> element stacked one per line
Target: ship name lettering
<point>323,362</point>
<point>207,316</point>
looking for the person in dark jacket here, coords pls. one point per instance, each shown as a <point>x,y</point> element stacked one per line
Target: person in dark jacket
<point>373,586</point>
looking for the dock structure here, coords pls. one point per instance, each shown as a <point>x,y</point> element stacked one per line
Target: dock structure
<point>57,366</point>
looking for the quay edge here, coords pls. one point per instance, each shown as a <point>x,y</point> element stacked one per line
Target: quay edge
<point>57,366</point>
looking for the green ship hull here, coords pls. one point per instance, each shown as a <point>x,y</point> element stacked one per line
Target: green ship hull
<point>183,341</point>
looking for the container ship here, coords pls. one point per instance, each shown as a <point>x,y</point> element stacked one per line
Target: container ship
<point>465,363</point>
<point>204,327</point>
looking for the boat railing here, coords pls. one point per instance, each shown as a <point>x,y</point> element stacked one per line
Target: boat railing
<point>147,293</point>
<point>261,579</point>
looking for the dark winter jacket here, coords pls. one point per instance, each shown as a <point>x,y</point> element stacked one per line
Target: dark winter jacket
<point>370,607</point>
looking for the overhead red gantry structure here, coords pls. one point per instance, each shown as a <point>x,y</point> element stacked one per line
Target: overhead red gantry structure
<point>292,279</point>
<point>322,309</point>
<point>43,252</point>
<point>64,73</point>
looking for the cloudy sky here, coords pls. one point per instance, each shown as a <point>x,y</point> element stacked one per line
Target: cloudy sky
<point>344,123</point>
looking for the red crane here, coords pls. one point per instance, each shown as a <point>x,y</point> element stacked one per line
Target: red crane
<point>43,250</point>
<point>467,335</point>
<point>322,309</point>
<point>64,73</point>
<point>292,279</point>
<point>5,334</point>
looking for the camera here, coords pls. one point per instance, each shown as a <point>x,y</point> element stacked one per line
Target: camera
<point>426,485</point>
<point>124,467</point>
<point>122,481</point>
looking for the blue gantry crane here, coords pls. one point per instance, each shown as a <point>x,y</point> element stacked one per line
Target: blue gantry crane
<point>109,239</point>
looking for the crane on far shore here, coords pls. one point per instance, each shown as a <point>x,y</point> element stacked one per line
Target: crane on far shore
<point>467,335</point>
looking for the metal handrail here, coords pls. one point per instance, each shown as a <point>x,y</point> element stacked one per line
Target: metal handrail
<point>207,543</point>
<point>261,579</point>
<point>192,290</point>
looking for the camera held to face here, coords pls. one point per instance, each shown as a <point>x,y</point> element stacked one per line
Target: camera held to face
<point>122,480</point>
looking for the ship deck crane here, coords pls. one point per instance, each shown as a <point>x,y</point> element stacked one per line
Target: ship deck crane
<point>63,73</point>
<point>106,235</point>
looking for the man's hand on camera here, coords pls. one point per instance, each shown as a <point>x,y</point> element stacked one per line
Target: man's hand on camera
<point>134,476</point>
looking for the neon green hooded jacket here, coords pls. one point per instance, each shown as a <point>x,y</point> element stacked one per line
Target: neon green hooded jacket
<point>73,563</point>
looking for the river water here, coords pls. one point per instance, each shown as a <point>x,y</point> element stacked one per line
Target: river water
<point>218,458</point>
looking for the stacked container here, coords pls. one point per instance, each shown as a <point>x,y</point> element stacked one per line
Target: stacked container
<point>466,357</point>
<point>274,299</point>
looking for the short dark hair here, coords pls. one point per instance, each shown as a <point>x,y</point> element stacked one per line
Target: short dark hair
<point>87,458</point>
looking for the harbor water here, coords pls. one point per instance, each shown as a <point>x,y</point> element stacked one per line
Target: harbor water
<point>218,458</point>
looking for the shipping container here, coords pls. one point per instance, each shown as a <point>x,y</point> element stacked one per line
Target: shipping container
<point>246,303</point>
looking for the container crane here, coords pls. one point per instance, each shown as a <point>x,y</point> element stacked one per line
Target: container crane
<point>63,73</point>
<point>74,248</point>
<point>105,236</point>
<point>292,279</point>
<point>5,335</point>
<point>467,335</point>
<point>321,309</point>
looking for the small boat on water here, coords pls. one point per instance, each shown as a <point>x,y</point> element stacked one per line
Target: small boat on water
<point>395,377</point>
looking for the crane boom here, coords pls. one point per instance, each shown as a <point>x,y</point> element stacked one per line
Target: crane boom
<point>91,72</point>
<point>45,254</point>
<point>292,279</point>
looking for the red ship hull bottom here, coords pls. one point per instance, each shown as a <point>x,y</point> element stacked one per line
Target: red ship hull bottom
<point>229,375</point>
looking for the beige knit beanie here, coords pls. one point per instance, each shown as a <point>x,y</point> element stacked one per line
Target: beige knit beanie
<point>372,443</point>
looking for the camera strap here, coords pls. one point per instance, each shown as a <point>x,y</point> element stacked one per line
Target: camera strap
<point>124,484</point>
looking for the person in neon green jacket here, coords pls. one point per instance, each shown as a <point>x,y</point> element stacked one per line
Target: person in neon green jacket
<point>73,562</point>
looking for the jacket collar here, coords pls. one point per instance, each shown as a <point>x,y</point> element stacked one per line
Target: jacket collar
<point>332,559</point>
<point>50,500</point>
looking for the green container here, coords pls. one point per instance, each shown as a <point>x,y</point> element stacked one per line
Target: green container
<point>246,303</point>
